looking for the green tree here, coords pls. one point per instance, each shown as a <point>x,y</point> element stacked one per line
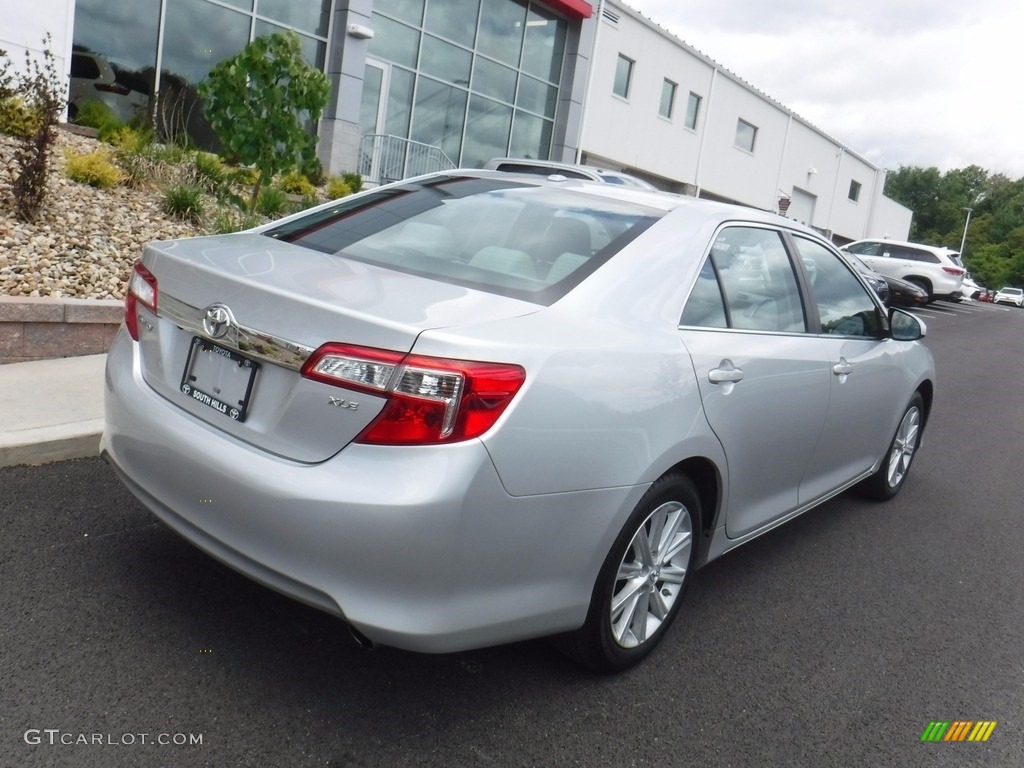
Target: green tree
<point>259,102</point>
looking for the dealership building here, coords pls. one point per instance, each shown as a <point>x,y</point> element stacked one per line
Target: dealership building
<point>422,85</point>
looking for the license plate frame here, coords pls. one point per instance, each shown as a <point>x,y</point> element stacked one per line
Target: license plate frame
<point>210,370</point>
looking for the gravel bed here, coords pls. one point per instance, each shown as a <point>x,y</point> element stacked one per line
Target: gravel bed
<point>85,240</point>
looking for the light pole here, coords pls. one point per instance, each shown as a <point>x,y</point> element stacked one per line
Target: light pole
<point>963,240</point>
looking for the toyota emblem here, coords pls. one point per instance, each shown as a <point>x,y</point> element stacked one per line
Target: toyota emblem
<point>217,320</point>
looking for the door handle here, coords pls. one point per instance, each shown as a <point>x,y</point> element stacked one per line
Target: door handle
<point>728,375</point>
<point>842,368</point>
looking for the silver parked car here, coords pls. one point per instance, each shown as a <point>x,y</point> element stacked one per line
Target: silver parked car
<point>473,408</point>
<point>568,170</point>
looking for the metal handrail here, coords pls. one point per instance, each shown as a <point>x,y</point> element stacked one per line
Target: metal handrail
<point>384,158</point>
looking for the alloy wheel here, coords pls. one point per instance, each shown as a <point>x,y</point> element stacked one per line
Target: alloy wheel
<point>650,576</point>
<point>903,447</point>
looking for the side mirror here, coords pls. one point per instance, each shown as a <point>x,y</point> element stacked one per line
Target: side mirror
<point>903,326</point>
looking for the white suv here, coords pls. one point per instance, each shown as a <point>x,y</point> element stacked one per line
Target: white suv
<point>1010,296</point>
<point>938,271</point>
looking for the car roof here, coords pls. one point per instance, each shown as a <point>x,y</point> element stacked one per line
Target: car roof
<point>707,212</point>
<point>938,248</point>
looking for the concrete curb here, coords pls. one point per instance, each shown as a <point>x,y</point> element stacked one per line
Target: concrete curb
<point>47,444</point>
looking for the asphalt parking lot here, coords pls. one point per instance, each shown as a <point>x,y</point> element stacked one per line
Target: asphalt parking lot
<point>833,641</point>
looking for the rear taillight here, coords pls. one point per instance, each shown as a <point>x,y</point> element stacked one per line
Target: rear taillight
<point>431,400</point>
<point>141,290</point>
<point>955,271</point>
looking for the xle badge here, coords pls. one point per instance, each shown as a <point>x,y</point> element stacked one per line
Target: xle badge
<point>340,402</point>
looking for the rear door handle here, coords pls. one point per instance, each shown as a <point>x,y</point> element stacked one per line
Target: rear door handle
<point>842,368</point>
<point>728,375</point>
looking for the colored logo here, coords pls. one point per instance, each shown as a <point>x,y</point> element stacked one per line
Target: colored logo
<point>958,730</point>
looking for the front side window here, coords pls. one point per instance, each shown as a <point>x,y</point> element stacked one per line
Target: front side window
<point>623,77</point>
<point>692,111</point>
<point>747,283</point>
<point>668,99</point>
<point>746,135</point>
<point>845,307</point>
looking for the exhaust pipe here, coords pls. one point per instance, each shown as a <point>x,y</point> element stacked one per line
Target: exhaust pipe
<point>361,640</point>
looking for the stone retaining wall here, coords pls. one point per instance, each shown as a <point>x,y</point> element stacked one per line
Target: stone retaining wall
<point>41,329</point>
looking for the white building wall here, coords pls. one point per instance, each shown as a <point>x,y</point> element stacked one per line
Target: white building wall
<point>631,130</point>
<point>26,24</point>
<point>728,171</point>
<point>791,158</point>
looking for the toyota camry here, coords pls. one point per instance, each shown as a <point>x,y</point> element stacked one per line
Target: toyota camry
<point>474,407</point>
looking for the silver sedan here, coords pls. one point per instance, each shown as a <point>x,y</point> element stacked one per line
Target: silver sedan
<point>474,408</point>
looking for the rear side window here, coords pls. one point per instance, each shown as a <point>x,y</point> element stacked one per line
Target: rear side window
<point>747,283</point>
<point>913,254</point>
<point>506,237</point>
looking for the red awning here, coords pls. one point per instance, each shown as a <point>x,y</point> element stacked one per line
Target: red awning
<point>574,9</point>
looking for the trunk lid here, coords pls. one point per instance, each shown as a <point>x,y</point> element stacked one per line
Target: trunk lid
<point>273,303</point>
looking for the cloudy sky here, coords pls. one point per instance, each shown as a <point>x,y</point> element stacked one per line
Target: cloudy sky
<point>901,82</point>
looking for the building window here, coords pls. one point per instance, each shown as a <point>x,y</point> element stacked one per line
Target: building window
<point>746,134</point>
<point>479,78</point>
<point>668,99</point>
<point>854,190</point>
<point>623,76</point>
<point>692,111</point>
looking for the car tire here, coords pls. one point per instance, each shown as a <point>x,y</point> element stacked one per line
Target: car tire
<point>887,481</point>
<point>640,586</point>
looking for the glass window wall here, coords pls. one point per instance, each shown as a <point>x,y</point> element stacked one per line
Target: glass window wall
<point>439,115</point>
<point>197,35</point>
<point>454,19</point>
<point>306,16</point>
<point>501,30</point>
<point>124,32</point>
<point>497,98</point>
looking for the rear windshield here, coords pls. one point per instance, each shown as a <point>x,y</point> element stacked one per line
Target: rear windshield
<point>506,237</point>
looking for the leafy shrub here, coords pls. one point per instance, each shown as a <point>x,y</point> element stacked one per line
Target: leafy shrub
<point>124,136</point>
<point>184,201</point>
<point>92,168</point>
<point>95,114</point>
<point>338,187</point>
<point>272,201</point>
<point>294,183</point>
<point>43,90</point>
<point>354,181</point>
<point>258,102</point>
<point>314,171</point>
<point>228,221</point>
<point>210,172</point>
<point>137,168</point>
<point>17,118</point>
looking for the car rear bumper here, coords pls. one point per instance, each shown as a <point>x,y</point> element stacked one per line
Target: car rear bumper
<point>418,548</point>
